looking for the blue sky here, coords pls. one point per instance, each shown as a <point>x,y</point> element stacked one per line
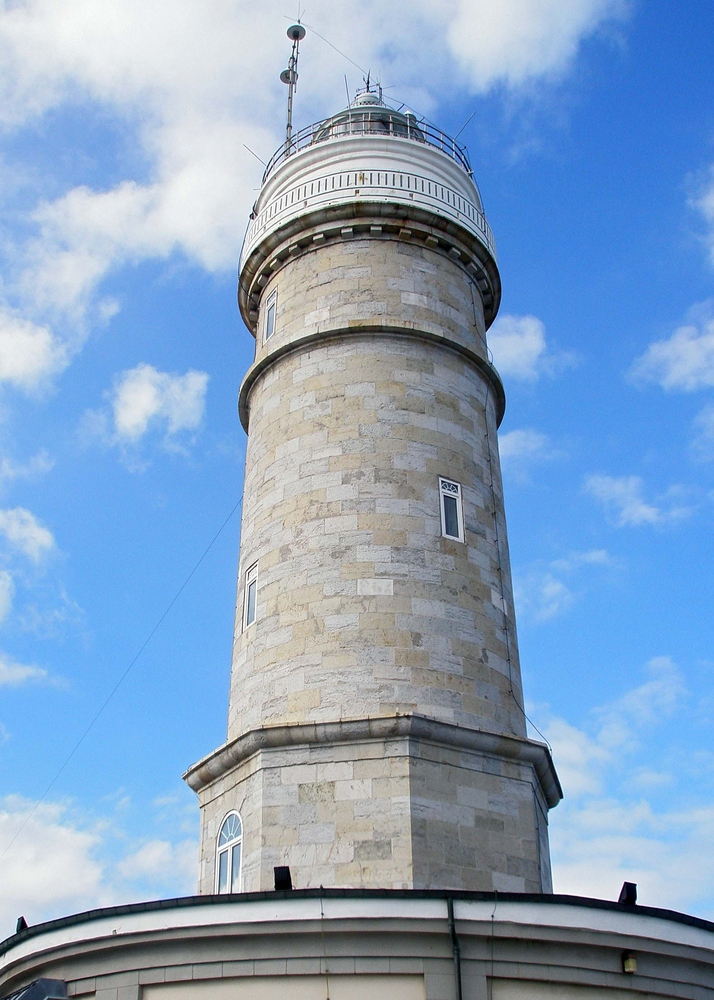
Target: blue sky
<point>124,196</point>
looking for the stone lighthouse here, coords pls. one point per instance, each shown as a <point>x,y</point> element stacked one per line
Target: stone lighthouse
<point>376,730</point>
<point>377,758</point>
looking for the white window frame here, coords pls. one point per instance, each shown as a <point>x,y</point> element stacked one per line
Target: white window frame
<point>251,580</point>
<point>228,850</point>
<point>450,488</point>
<point>271,305</point>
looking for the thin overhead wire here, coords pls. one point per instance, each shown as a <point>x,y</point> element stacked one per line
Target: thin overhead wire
<point>466,123</point>
<point>338,51</point>
<point>362,70</point>
<point>119,682</point>
<point>255,155</point>
<point>519,704</point>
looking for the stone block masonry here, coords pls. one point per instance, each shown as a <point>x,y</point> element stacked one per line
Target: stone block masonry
<point>394,802</point>
<point>376,732</point>
<point>363,608</point>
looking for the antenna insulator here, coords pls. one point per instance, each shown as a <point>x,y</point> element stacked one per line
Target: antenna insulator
<point>286,76</point>
<point>296,32</point>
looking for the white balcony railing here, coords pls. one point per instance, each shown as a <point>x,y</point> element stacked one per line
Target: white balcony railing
<point>395,185</point>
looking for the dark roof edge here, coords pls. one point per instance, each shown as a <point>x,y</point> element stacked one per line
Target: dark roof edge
<point>249,897</point>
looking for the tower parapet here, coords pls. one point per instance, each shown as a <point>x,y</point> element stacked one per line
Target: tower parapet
<point>376,733</point>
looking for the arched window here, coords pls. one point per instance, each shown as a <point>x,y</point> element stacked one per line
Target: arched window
<point>230,841</point>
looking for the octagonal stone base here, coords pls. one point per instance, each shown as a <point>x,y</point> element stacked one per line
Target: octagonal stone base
<point>403,802</point>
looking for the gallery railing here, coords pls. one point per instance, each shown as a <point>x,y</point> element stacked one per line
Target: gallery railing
<point>381,122</point>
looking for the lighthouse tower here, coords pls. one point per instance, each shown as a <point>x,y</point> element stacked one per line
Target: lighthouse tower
<point>376,730</point>
<point>377,757</point>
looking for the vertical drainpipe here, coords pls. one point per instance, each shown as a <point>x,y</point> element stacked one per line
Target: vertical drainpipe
<point>455,948</point>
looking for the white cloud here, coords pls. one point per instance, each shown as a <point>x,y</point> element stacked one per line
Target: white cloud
<point>35,466</point>
<point>63,861</point>
<point>579,758</point>
<point>515,42</point>
<point>160,48</point>
<point>684,361</point>
<point>519,349</point>
<point>177,73</point>
<point>703,202</point>
<point>518,346</point>
<point>547,590</point>
<point>143,397</point>
<point>622,497</point>
<point>7,592</point>
<point>55,618</point>
<point>702,445</point>
<point>542,596</point>
<point>611,826</point>
<point>573,561</point>
<point>15,674</point>
<point>24,532</point>
<point>49,867</point>
<point>30,355</point>
<point>642,707</point>
<point>86,233</point>
<point>157,857</point>
<point>615,729</point>
<point>524,444</point>
<point>668,853</point>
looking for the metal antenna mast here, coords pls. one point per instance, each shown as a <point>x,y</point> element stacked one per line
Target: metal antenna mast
<point>296,33</point>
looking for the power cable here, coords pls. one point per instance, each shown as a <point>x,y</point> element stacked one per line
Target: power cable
<point>121,680</point>
<point>338,51</point>
<point>519,705</point>
<point>465,123</point>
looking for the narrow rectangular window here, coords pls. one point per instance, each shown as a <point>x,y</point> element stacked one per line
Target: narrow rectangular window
<point>452,511</point>
<point>235,867</point>
<point>251,588</point>
<point>270,315</point>
<point>223,872</point>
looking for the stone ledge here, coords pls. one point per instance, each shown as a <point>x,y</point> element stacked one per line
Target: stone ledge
<point>492,377</point>
<point>514,748</point>
<point>425,228</point>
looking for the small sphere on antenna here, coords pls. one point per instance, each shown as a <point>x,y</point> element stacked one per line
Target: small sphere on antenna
<point>296,32</point>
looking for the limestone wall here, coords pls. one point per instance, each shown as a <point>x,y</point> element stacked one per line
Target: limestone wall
<point>365,283</point>
<point>363,608</point>
<point>371,380</point>
<point>397,813</point>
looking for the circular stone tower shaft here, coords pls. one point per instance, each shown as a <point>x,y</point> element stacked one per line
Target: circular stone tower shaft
<point>376,732</point>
